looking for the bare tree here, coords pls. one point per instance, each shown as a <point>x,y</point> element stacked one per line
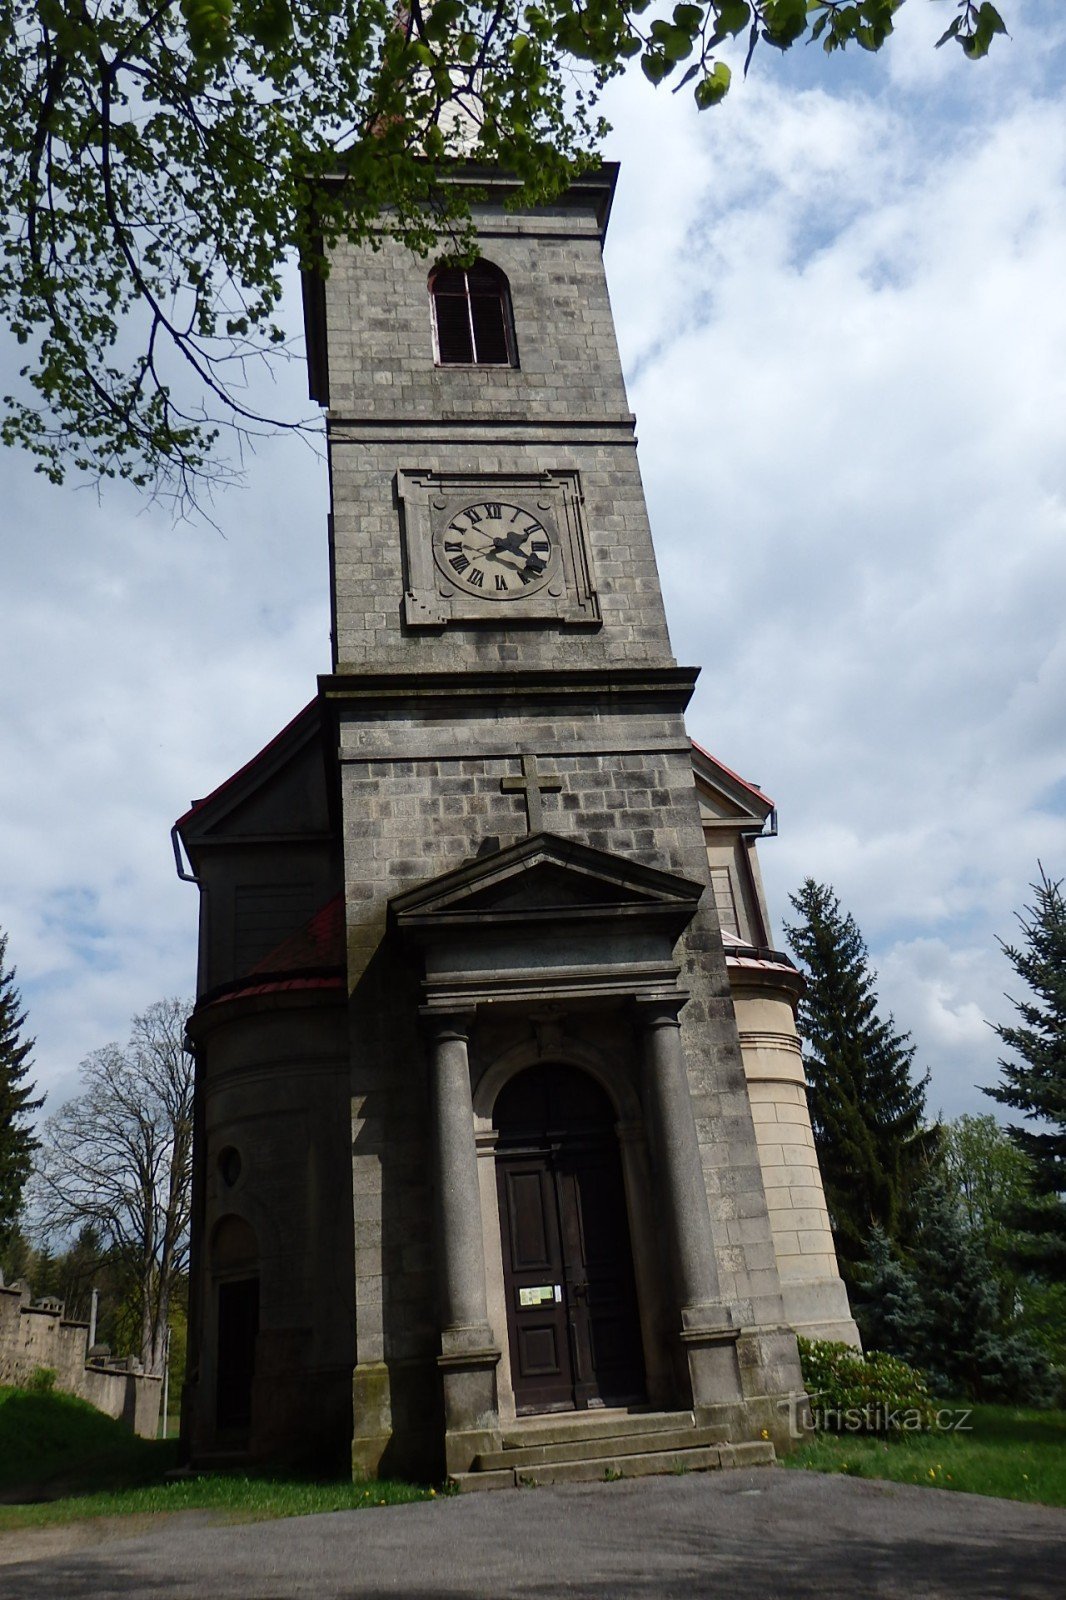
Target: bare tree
<point>119,1157</point>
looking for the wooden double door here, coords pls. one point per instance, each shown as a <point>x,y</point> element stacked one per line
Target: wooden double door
<point>572,1315</point>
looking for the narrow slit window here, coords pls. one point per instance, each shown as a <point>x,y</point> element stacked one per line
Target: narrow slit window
<point>472,317</point>
<point>725,900</point>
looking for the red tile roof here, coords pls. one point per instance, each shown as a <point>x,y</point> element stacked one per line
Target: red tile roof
<point>750,787</point>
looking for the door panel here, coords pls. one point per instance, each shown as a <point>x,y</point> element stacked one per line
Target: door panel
<point>533,1278</point>
<point>568,1270</point>
<point>599,1273</point>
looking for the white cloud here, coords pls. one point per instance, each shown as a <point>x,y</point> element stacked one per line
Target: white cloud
<point>850,411</point>
<point>142,662</point>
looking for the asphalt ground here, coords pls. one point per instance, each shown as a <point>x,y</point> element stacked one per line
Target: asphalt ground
<point>771,1534</point>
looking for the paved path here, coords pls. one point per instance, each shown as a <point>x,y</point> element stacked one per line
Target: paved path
<point>763,1535</point>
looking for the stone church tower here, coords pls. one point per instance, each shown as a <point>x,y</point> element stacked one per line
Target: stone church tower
<point>487,1180</point>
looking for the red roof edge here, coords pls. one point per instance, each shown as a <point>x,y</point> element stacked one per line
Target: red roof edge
<point>744,784</point>
<point>248,765</point>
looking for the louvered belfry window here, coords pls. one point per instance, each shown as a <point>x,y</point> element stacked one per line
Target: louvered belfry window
<point>472,316</point>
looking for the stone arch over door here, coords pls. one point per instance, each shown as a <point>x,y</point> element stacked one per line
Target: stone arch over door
<point>623,1123</point>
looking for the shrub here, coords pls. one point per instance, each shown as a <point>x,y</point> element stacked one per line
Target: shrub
<point>855,1393</point>
<point>42,1380</point>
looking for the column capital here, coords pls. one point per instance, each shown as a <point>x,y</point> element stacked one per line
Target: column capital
<point>661,1011</point>
<point>444,1025</point>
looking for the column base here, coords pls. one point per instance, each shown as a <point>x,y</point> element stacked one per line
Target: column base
<point>770,1403</point>
<point>745,1379</point>
<point>372,1417</point>
<point>709,1339</point>
<point>468,1362</point>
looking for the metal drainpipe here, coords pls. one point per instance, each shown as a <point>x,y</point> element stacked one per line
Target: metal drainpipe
<point>186,877</point>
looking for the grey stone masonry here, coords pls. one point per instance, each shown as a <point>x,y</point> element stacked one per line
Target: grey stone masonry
<point>417,800</point>
<point>563,408</point>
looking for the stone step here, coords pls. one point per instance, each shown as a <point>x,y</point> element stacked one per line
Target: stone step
<point>651,1463</point>
<point>568,1425</point>
<point>612,1444</point>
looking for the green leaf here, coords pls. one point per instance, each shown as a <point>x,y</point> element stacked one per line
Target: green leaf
<point>677,45</point>
<point>271,25</point>
<point>714,87</point>
<point>733,17</point>
<point>784,21</point>
<point>654,66</point>
<point>689,74</point>
<point>990,18</point>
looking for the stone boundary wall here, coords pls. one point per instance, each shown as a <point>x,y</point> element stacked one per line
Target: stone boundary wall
<point>34,1336</point>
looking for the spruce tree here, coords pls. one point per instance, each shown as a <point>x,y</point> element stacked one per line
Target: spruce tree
<point>1034,1080</point>
<point>890,1313</point>
<point>940,1309</point>
<point>866,1109</point>
<point>963,1341</point>
<point>16,1100</point>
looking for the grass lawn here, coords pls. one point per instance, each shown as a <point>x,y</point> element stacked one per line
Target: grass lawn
<point>1015,1454</point>
<point>61,1460</point>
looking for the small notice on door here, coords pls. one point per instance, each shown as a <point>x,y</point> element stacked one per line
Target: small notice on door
<point>541,1295</point>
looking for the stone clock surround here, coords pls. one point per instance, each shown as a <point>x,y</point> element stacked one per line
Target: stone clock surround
<point>435,595</point>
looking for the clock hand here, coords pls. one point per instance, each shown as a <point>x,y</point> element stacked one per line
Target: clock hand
<point>525,563</point>
<point>512,542</point>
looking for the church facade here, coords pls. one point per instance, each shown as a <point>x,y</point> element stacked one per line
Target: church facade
<point>502,1139</point>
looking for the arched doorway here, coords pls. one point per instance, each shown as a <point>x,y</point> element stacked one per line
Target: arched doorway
<point>567,1260</point>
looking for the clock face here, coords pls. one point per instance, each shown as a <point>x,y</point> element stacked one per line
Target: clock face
<point>496,550</point>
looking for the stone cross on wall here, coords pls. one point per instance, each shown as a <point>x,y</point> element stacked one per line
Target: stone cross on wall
<point>532,784</point>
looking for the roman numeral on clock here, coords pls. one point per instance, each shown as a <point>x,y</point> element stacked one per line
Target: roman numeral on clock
<point>495,512</point>
<point>453,544</point>
<point>460,563</point>
<point>476,578</point>
<point>501,581</point>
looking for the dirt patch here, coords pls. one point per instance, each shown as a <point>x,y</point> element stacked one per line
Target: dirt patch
<point>65,1538</point>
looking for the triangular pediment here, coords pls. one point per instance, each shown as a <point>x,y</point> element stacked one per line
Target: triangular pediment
<point>727,800</point>
<point>542,877</point>
<point>281,792</point>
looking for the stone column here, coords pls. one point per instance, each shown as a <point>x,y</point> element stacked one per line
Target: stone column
<point>708,1329</point>
<point>652,1299</point>
<point>468,1355</point>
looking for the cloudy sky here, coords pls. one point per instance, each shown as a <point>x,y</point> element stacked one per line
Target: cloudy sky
<point>840,303</point>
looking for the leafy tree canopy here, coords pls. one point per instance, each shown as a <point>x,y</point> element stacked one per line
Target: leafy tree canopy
<point>159,160</point>
<point>117,1161</point>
